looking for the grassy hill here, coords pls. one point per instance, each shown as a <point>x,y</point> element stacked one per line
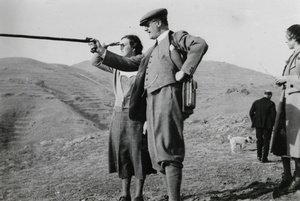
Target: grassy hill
<point>231,88</point>
<point>220,84</point>
<point>54,122</point>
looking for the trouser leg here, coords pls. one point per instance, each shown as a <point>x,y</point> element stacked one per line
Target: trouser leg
<point>259,142</point>
<point>266,145</point>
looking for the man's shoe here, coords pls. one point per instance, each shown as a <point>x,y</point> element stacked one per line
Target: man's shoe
<point>282,189</point>
<point>295,185</point>
<point>264,160</point>
<point>279,192</point>
<point>140,198</point>
<point>123,198</point>
<point>285,182</point>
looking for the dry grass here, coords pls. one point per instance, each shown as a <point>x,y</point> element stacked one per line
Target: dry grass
<point>54,135</point>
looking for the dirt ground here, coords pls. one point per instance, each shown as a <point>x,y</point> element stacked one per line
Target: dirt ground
<point>54,136</point>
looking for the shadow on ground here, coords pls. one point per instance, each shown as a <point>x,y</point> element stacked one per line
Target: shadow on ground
<point>253,191</point>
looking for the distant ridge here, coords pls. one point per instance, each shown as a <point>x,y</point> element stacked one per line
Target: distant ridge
<point>222,87</point>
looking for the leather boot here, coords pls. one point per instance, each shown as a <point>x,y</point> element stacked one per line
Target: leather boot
<point>174,176</point>
<point>285,182</point>
<point>295,185</point>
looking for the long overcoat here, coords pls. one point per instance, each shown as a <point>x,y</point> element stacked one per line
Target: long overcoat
<point>292,104</point>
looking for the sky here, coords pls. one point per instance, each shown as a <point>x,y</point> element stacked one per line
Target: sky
<point>246,33</point>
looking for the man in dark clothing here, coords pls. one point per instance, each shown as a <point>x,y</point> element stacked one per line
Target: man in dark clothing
<point>262,114</point>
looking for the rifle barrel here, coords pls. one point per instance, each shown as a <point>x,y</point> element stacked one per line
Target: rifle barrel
<point>46,38</point>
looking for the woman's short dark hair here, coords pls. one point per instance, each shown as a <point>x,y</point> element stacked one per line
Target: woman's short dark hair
<point>294,32</point>
<point>134,42</point>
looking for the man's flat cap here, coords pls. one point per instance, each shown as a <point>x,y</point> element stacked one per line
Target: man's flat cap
<point>157,13</point>
<point>268,92</point>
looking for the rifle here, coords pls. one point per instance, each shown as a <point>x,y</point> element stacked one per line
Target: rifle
<point>86,40</point>
<point>278,140</point>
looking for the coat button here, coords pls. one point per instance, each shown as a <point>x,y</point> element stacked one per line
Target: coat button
<point>291,86</point>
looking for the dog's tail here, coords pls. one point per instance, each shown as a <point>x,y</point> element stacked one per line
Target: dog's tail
<point>229,137</point>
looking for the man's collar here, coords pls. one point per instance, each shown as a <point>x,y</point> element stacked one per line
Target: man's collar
<point>162,36</point>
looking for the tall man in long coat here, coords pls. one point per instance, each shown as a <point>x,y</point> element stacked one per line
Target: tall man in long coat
<point>157,93</point>
<point>263,114</point>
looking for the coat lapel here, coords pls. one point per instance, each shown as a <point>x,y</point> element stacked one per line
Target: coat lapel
<point>137,99</point>
<point>292,63</point>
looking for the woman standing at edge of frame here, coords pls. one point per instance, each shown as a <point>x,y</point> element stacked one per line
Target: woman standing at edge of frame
<point>290,80</point>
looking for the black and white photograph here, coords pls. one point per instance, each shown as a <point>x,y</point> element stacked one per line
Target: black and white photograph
<point>161,100</point>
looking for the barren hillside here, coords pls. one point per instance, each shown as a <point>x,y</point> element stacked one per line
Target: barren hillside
<point>219,84</point>
<point>54,123</point>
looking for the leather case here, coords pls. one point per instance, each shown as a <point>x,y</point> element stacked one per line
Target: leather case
<point>189,88</point>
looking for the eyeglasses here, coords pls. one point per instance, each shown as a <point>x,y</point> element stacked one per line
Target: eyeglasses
<point>290,37</point>
<point>122,45</point>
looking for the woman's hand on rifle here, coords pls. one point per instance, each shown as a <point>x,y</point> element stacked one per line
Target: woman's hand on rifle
<point>280,80</point>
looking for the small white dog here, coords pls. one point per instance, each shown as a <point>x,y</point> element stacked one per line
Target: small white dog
<point>239,142</point>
